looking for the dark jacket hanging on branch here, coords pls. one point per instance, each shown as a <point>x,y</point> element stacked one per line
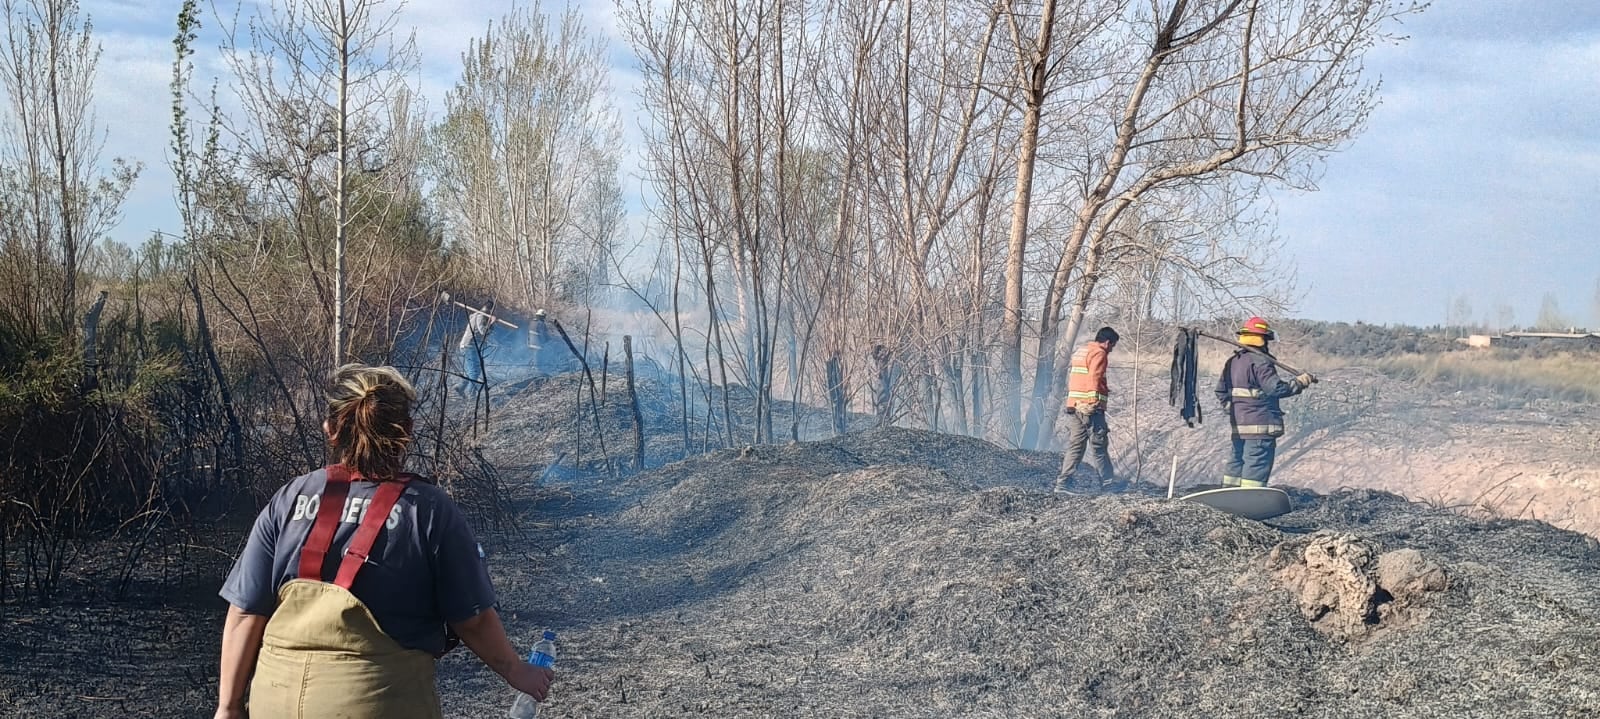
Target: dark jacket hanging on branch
<point>1185,367</point>
<point>1185,379</point>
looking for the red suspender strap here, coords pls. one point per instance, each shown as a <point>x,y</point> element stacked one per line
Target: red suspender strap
<point>372,520</point>
<point>330,511</point>
<point>315,551</point>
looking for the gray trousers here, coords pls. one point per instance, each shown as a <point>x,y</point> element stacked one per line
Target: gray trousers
<point>1250,465</point>
<point>1088,434</point>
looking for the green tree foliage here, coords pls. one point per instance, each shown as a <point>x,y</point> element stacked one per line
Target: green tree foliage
<point>1344,339</point>
<point>85,436</point>
<point>1550,315</point>
<point>55,203</point>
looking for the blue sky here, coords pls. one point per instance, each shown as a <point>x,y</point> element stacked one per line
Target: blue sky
<point>1478,176</point>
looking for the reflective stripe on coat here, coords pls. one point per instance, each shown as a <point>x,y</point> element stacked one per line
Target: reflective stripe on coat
<point>1087,381</point>
<point>1251,387</point>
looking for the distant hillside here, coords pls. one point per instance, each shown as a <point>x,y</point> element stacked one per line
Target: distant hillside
<point>1344,339</point>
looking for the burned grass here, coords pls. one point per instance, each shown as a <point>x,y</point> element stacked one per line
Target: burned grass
<point>899,573</point>
<point>905,574</point>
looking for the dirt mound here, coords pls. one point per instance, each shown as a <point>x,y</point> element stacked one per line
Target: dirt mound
<point>966,458</point>
<point>855,578</point>
<point>1348,591</point>
<point>551,423</point>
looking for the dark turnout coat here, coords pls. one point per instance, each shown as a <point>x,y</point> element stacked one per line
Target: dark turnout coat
<point>1250,386</point>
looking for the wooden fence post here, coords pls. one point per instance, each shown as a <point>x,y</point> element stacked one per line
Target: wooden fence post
<point>837,398</point>
<point>633,401</point>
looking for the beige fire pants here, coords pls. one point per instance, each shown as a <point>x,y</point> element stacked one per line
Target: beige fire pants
<point>324,657</point>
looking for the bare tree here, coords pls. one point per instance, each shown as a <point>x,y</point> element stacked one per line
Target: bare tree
<point>1550,315</point>
<point>1232,89</point>
<point>54,203</point>
<point>188,163</point>
<point>526,162</point>
<point>736,144</point>
<point>768,111</point>
<point>1459,316</point>
<point>1594,307</point>
<point>318,81</point>
<point>286,194</point>
<point>1135,139</point>
<point>1033,68</point>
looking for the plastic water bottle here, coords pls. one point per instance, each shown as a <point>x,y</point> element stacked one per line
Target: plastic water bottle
<point>543,655</point>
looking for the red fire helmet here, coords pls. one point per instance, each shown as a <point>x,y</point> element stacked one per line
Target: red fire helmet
<point>1257,326</point>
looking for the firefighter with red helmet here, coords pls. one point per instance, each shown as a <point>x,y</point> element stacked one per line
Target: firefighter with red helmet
<point>1250,389</point>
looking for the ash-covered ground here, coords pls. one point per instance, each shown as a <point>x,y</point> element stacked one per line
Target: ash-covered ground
<point>901,573</point>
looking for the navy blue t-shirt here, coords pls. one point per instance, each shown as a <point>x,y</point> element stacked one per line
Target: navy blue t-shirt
<point>425,568</point>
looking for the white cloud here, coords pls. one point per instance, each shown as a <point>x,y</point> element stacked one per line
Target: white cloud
<point>1475,177</point>
<point>132,89</point>
<point>131,104</point>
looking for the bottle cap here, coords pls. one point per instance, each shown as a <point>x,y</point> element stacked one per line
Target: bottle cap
<point>549,635</point>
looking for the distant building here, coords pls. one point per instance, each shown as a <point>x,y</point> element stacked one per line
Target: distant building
<point>1572,338</point>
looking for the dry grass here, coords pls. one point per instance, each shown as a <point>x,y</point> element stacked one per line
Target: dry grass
<point>1508,377</point>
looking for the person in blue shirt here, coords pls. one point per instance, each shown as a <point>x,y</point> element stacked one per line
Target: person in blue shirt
<point>340,602</point>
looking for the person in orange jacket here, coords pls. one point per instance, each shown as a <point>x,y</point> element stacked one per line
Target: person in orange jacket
<point>1087,393</point>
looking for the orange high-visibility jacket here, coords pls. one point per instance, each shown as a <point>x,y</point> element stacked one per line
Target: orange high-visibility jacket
<point>1088,380</point>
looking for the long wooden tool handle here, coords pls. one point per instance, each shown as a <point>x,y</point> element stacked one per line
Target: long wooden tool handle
<point>1256,350</point>
<point>497,319</point>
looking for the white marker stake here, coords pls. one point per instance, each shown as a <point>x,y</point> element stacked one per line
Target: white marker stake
<point>1172,479</point>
